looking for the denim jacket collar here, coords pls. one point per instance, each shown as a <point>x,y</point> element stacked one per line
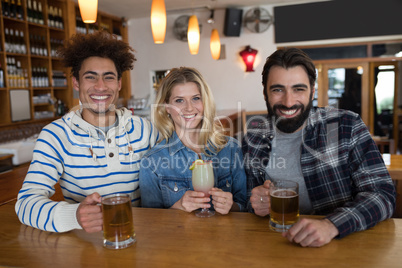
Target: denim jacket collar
<point>175,145</point>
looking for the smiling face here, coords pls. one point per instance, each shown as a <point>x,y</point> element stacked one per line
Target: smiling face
<point>98,87</point>
<point>185,107</point>
<point>289,97</point>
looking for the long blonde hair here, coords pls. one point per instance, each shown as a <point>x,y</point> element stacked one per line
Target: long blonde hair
<point>211,130</point>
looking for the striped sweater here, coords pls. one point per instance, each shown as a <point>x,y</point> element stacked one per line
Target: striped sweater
<point>83,160</point>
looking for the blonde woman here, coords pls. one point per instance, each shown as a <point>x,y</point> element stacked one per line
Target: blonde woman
<point>185,117</point>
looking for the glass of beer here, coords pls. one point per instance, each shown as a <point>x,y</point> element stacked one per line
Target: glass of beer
<point>284,205</point>
<point>203,180</point>
<point>118,227</point>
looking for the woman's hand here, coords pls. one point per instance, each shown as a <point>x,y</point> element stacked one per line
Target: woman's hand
<point>221,200</point>
<point>191,201</point>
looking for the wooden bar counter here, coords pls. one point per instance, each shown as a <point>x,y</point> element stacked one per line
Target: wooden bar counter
<point>173,238</point>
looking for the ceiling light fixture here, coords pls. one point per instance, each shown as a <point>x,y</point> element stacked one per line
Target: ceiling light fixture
<point>215,44</point>
<point>158,21</point>
<point>248,56</point>
<point>193,35</point>
<point>88,10</point>
<point>211,19</point>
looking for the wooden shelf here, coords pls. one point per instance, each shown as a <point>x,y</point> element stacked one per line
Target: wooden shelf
<point>28,61</point>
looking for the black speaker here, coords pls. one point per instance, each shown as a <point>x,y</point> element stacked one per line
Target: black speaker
<point>233,19</point>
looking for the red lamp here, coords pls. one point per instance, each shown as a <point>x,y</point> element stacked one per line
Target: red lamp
<point>248,55</point>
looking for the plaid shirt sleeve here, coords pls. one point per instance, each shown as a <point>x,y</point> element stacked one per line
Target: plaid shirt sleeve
<point>354,189</point>
<point>256,146</point>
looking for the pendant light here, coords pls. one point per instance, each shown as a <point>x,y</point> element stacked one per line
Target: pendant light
<point>215,44</point>
<point>193,35</point>
<point>158,21</point>
<point>88,10</point>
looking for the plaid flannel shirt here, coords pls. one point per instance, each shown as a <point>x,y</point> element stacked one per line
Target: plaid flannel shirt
<point>344,172</point>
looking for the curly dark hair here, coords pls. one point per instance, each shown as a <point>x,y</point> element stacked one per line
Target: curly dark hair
<point>99,44</point>
<point>288,58</point>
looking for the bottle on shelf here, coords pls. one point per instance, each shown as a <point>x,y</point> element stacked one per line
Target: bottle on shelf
<point>59,79</point>
<point>12,47</point>
<point>13,9</point>
<point>34,77</point>
<point>19,76</point>
<point>50,17</point>
<point>43,46</point>
<point>39,77</point>
<point>38,45</point>
<point>80,25</point>
<point>21,41</point>
<point>7,43</point>
<point>32,44</point>
<point>35,15</point>
<point>26,79</point>
<point>1,77</point>
<point>6,8</point>
<point>40,14</point>
<point>20,10</point>
<point>59,19</point>
<point>30,16</point>
<point>11,71</point>
<point>54,45</point>
<point>17,45</point>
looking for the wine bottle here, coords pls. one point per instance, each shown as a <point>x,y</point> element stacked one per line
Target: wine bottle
<point>20,11</point>
<point>7,40</point>
<point>32,44</point>
<point>35,16</point>
<point>21,41</point>
<point>50,17</point>
<point>1,77</point>
<point>13,9</point>
<point>44,46</point>
<point>13,46</point>
<point>40,14</point>
<point>60,19</point>
<point>17,45</point>
<point>6,8</point>
<point>29,11</point>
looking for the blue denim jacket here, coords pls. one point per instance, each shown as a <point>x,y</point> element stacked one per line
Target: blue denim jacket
<point>165,175</point>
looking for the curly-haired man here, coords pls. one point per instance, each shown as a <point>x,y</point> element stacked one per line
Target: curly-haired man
<point>90,152</point>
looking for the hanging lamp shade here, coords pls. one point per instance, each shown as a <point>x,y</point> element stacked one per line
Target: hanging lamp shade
<point>215,44</point>
<point>193,35</point>
<point>248,56</point>
<point>158,21</point>
<point>88,10</point>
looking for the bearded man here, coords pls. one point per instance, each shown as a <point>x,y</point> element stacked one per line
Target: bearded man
<point>328,152</point>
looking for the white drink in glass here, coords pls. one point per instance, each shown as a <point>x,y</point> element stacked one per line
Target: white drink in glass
<point>203,180</point>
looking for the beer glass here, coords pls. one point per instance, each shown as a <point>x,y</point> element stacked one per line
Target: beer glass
<point>284,205</point>
<point>203,180</point>
<point>118,227</point>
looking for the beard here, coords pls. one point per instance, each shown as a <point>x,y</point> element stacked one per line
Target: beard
<point>290,125</point>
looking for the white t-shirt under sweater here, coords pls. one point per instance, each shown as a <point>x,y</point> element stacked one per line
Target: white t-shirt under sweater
<point>284,164</point>
<point>71,151</point>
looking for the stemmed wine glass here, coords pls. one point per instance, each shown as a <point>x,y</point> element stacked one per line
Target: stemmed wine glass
<point>203,180</point>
